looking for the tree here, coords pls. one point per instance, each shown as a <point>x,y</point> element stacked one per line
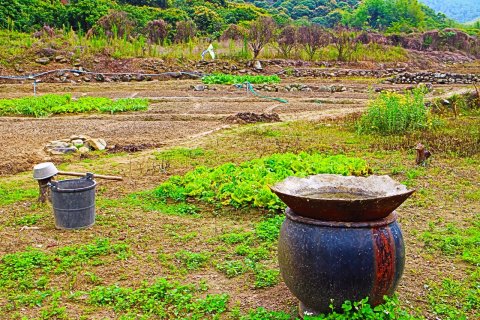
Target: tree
<point>150,3</point>
<point>207,20</point>
<point>115,24</point>
<point>312,38</point>
<point>83,14</point>
<point>260,33</point>
<point>383,14</point>
<point>157,31</point>
<point>345,43</point>
<point>233,32</point>
<point>186,30</point>
<point>287,40</point>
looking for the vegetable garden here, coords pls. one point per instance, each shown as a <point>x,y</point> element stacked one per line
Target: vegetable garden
<point>192,231</point>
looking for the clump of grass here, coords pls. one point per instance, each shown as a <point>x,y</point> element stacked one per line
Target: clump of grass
<point>393,113</point>
<point>42,106</point>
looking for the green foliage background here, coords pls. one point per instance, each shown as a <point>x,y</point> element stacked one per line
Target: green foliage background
<point>214,16</point>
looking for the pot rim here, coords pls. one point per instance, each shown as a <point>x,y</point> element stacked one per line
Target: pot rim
<point>391,218</point>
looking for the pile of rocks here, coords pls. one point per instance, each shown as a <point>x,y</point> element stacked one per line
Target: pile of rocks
<point>202,87</point>
<point>434,77</point>
<point>300,87</point>
<point>76,143</point>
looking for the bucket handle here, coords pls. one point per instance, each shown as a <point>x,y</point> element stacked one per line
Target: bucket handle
<point>54,184</point>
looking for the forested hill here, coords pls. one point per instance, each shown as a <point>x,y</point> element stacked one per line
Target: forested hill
<point>213,17</point>
<point>460,10</point>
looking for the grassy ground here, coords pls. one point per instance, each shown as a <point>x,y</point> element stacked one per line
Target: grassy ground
<point>197,260</point>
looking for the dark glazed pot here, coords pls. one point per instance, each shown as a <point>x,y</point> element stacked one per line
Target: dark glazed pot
<point>324,262</point>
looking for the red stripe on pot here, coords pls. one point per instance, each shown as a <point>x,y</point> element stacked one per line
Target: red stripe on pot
<point>384,253</point>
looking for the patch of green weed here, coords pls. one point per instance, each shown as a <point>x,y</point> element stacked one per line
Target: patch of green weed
<point>163,299</point>
<point>192,260</point>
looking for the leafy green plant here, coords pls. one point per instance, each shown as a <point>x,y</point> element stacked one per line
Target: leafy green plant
<point>19,270</point>
<point>265,277</point>
<point>393,113</point>
<point>247,183</point>
<point>28,220</point>
<point>164,299</point>
<point>252,253</point>
<point>269,229</point>
<point>264,314</point>
<point>42,106</point>
<point>232,268</point>
<point>192,260</point>
<point>221,78</point>
<point>363,310</point>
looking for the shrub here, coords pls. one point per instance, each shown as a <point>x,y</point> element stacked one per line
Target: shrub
<point>233,32</point>
<point>345,42</point>
<point>287,40</point>
<point>207,20</point>
<point>157,31</point>
<point>116,24</point>
<point>312,38</point>
<point>186,31</point>
<point>393,113</point>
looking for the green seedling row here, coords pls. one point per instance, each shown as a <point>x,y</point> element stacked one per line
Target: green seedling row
<point>49,104</point>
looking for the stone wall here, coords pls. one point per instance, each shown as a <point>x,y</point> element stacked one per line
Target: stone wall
<point>434,77</point>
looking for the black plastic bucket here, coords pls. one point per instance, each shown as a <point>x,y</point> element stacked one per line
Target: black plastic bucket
<point>74,202</point>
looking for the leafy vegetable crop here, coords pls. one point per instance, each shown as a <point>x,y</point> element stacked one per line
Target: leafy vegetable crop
<point>48,104</point>
<point>248,183</point>
<point>221,78</point>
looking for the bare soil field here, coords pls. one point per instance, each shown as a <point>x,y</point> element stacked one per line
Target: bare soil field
<point>177,113</point>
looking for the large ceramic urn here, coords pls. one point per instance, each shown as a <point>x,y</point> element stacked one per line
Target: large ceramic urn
<point>340,239</point>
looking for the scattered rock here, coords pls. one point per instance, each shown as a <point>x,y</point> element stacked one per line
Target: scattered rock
<point>83,150</point>
<point>61,59</point>
<point>97,144</point>
<point>43,61</point>
<point>18,68</point>
<point>60,151</point>
<point>200,87</point>
<point>257,65</point>
<point>100,77</point>
<point>77,143</point>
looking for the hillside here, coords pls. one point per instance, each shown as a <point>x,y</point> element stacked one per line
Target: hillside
<point>460,10</point>
<point>213,16</point>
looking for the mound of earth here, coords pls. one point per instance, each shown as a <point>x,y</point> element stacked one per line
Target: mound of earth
<point>134,147</point>
<point>251,117</point>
